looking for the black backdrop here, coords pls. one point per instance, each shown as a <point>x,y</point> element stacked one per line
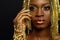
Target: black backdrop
<point>8,10</point>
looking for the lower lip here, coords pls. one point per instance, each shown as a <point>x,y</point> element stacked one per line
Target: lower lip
<point>40,22</point>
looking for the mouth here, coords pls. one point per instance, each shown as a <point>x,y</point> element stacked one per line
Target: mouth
<point>40,21</point>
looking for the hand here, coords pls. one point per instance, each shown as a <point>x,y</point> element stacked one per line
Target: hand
<point>19,21</point>
<point>19,24</point>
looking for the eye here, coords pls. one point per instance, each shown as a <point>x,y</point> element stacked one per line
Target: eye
<point>46,8</point>
<point>32,8</point>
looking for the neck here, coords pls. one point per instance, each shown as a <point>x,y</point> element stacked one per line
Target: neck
<point>42,33</point>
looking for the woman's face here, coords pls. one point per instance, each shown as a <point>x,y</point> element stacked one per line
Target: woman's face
<point>40,11</point>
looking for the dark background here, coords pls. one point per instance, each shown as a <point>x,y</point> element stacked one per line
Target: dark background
<point>8,11</point>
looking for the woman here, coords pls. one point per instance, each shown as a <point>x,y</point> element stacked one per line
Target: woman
<point>40,17</point>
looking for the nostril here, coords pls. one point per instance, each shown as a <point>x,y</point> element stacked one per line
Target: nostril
<point>39,15</point>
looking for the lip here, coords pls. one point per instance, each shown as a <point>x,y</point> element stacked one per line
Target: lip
<point>40,21</point>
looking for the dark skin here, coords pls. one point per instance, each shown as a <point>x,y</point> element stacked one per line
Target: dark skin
<point>40,17</point>
<point>40,11</point>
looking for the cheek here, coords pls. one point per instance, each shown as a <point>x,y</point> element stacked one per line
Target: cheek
<point>32,15</point>
<point>48,20</point>
<point>48,16</point>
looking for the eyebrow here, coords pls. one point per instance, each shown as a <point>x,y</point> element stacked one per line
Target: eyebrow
<point>42,5</point>
<point>33,5</point>
<point>46,4</point>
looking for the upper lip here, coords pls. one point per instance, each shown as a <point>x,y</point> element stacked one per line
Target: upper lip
<point>40,21</point>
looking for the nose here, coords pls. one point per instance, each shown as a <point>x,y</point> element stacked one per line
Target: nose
<point>39,13</point>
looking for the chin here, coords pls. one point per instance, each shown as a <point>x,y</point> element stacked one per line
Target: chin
<point>39,27</point>
<point>42,26</point>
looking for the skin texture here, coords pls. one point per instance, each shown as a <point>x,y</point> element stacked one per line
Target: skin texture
<point>40,12</point>
<point>40,17</point>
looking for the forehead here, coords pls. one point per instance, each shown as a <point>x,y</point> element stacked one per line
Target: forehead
<point>39,1</point>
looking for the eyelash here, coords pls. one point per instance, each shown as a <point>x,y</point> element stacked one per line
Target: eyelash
<point>46,8</point>
<point>32,8</point>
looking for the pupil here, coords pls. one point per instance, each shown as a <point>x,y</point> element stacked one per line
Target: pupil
<point>47,8</point>
<point>31,8</point>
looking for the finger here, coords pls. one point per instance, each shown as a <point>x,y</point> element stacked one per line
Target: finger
<point>23,9</point>
<point>23,15</point>
<point>22,20</point>
<point>26,11</point>
<point>23,12</point>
